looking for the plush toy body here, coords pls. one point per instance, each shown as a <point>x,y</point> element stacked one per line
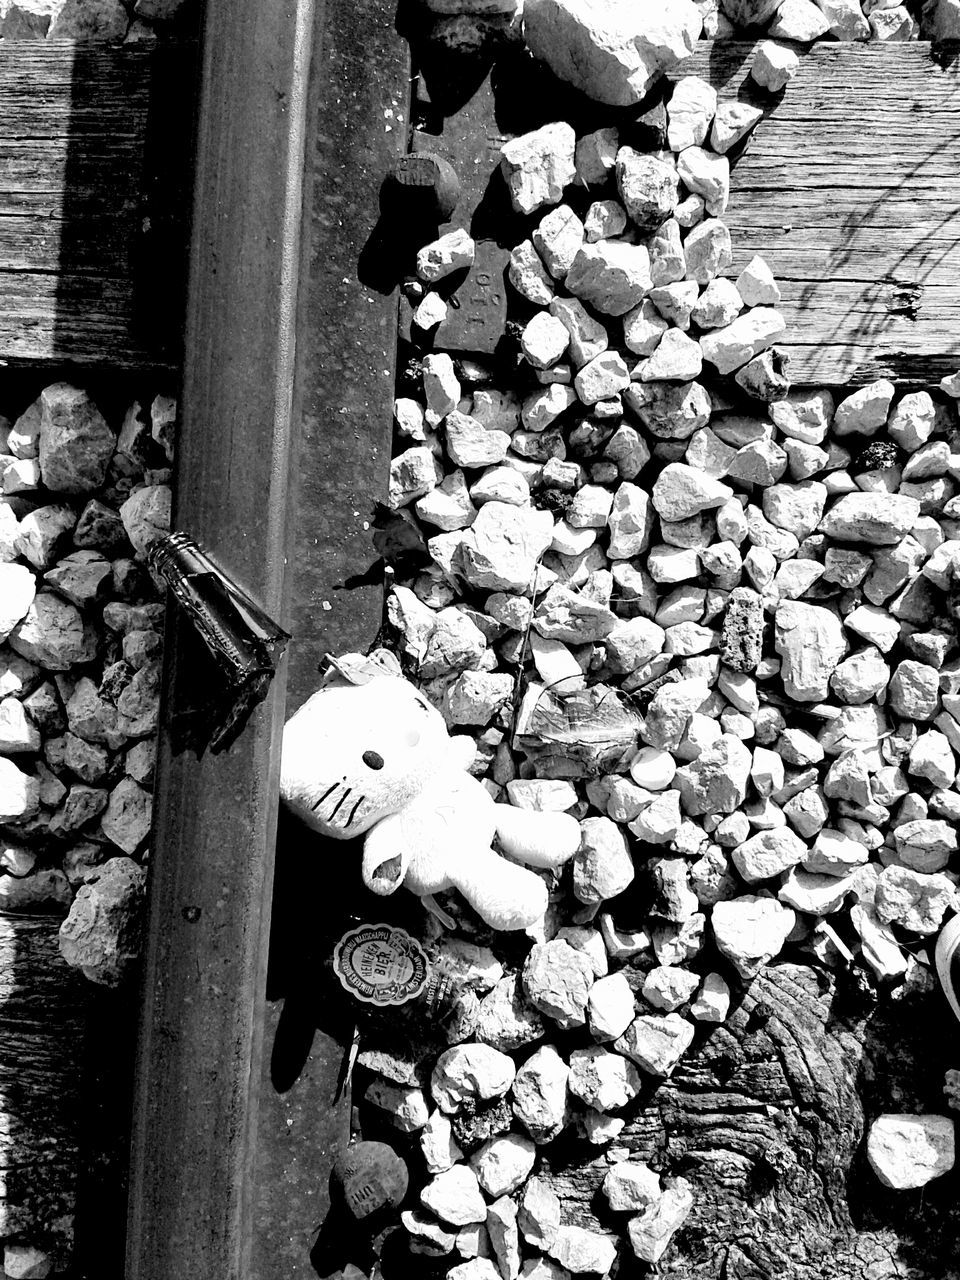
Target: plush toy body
<point>376,757</point>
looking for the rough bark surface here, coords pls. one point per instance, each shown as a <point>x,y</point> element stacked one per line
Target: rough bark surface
<point>766,1117</point>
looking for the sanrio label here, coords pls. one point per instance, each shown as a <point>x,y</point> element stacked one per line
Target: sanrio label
<point>380,964</point>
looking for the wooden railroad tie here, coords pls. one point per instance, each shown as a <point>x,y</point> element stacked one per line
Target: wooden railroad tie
<point>848,188</point>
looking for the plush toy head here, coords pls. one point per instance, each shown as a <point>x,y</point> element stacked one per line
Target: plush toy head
<point>355,753</point>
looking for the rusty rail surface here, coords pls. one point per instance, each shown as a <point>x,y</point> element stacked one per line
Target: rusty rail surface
<point>191,1179</point>
<point>347,344</point>
<point>288,381</point>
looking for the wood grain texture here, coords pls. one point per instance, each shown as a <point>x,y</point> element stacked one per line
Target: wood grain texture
<point>766,1116</point>
<point>94,194</point>
<point>41,1032</point>
<point>191,1178</point>
<point>850,189</point>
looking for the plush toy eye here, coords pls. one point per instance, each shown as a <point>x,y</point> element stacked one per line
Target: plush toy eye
<point>372,759</point>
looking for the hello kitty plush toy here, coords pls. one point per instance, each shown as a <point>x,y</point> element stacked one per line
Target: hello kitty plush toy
<point>368,754</point>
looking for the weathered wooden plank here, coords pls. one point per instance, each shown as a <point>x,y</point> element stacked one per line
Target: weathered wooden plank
<point>851,179</point>
<point>94,162</point>
<point>211,874</point>
<point>41,1031</point>
<point>850,189</point>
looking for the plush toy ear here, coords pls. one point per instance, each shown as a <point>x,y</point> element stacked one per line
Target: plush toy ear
<point>359,668</point>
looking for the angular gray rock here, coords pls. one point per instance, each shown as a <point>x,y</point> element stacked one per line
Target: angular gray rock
<point>612,276</point>
<point>648,186</point>
<point>503,1164</point>
<point>602,867</point>
<point>630,1185</point>
<point>751,930</point>
<point>52,634</point>
<point>610,1006</point>
<point>681,491</point>
<point>736,343</point>
<point>768,853</point>
<point>40,533</point>
<point>557,979</point>
<point>18,587</point>
<point>708,251</point>
<point>19,793</point>
<point>656,1044</point>
<point>653,1229</point>
<point>540,1094</point>
<point>539,1214</point>
<point>146,515</point>
<point>877,519</point>
<point>581,1250</point>
<point>500,550</point>
<point>716,782</point>
<point>75,442</point>
<point>603,1080</point>
<point>537,166</point>
<point>506,1020</point>
<point>455,1197</point>
<point>126,821</point>
<point>811,642</point>
<point>102,933</point>
<point>470,1072</point>
<point>907,1151</point>
<point>610,50</point>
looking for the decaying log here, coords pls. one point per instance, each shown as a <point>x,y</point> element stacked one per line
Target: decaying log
<point>766,1115</point>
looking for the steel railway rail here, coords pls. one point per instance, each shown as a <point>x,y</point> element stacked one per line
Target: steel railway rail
<point>287,385</point>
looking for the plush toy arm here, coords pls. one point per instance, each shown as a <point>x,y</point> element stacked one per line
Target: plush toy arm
<point>385,857</point>
<point>505,895</point>
<point>538,839</point>
<point>462,751</point>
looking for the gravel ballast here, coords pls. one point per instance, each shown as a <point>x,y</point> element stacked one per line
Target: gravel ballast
<point>750,588</point>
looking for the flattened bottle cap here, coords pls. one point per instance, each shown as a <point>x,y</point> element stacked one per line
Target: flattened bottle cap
<point>381,965</point>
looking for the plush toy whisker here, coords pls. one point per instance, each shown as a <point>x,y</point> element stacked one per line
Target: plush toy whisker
<point>328,792</point>
<point>342,801</point>
<point>353,812</point>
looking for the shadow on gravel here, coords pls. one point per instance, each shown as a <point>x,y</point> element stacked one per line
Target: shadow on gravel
<point>909,1041</point>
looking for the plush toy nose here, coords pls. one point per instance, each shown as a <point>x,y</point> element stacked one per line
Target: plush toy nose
<point>373,760</point>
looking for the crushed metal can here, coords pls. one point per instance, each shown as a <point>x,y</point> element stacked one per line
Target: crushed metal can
<point>243,641</point>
